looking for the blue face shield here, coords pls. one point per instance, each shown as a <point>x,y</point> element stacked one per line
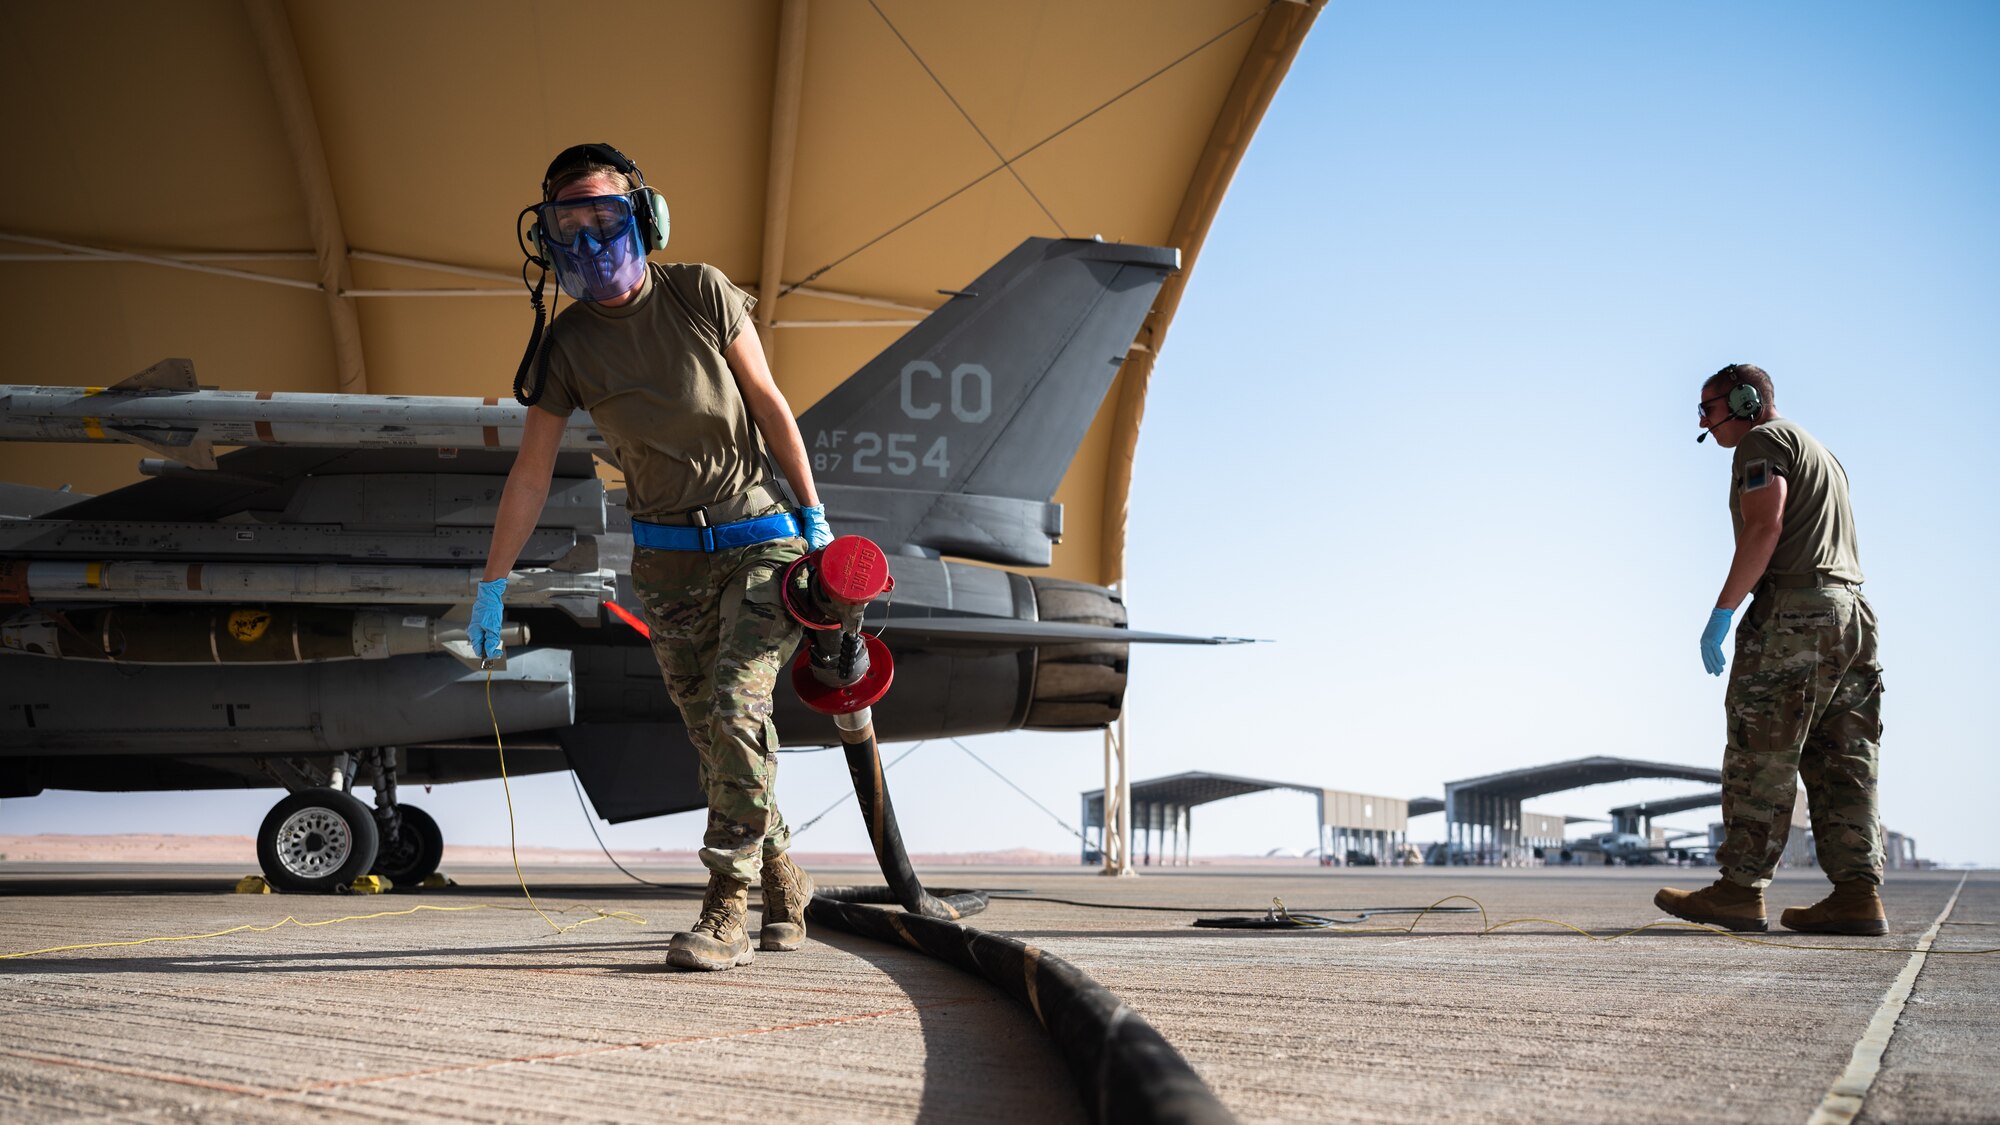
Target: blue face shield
<point>593,244</point>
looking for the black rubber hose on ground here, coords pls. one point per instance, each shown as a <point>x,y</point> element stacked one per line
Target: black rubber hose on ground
<point>864,765</point>
<point>1126,1069</point>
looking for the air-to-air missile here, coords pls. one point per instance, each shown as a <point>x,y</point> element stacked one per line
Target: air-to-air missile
<point>291,709</point>
<point>317,583</point>
<point>373,538</point>
<point>256,634</point>
<point>163,409</point>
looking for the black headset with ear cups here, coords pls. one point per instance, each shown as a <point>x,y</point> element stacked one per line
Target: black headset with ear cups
<point>649,207</point>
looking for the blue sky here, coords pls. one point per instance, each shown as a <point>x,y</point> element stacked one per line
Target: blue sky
<point>1425,421</point>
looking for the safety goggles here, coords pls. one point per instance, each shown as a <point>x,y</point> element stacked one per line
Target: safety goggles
<point>1701,409</point>
<point>600,218</point>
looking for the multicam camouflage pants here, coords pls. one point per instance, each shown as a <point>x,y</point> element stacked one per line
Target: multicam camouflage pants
<point>1804,701</point>
<point>722,636</point>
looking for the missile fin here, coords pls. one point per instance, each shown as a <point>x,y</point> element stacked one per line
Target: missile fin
<point>166,375</point>
<point>198,453</point>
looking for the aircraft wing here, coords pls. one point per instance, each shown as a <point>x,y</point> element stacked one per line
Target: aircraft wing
<point>1015,632</point>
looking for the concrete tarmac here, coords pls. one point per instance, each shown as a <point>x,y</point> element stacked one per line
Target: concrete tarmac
<point>488,1015</point>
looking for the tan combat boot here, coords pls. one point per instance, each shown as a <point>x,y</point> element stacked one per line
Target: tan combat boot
<point>1729,905</point>
<point>717,940</point>
<point>787,889</point>
<point>1854,907</point>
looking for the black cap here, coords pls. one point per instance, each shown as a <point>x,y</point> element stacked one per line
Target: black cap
<point>577,156</point>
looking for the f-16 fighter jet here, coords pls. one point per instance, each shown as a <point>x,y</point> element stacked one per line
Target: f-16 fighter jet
<point>293,612</point>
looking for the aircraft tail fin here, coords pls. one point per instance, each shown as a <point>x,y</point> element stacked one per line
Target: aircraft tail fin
<point>954,439</point>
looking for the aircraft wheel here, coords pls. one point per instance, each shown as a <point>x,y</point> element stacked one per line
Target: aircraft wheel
<point>316,841</point>
<point>418,849</point>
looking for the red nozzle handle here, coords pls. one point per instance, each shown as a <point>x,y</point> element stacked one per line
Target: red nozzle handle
<point>850,570</point>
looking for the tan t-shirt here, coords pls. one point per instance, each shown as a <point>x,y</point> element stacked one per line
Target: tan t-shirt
<point>652,374</point>
<point>1818,533</point>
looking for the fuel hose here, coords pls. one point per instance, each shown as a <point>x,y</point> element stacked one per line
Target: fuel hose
<point>1125,1069</point>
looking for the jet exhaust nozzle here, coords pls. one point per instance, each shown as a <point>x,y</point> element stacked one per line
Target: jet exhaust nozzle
<point>841,669</point>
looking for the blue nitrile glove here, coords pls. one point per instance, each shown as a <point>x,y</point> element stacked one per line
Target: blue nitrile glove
<point>484,632</point>
<point>813,521</point>
<point>1711,640</point>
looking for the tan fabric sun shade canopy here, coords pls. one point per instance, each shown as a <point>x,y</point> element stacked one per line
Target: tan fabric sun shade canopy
<point>327,143</point>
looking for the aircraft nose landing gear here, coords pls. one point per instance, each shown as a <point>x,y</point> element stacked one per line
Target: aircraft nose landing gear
<point>412,843</point>
<point>414,852</point>
<point>322,838</point>
<point>316,841</point>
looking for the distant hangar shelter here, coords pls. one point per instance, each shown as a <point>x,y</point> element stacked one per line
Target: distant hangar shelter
<point>1483,818</point>
<point>320,197</point>
<point>1163,817</point>
<point>1638,819</point>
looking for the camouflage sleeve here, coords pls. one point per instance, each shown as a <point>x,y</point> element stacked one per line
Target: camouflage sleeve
<point>725,304</point>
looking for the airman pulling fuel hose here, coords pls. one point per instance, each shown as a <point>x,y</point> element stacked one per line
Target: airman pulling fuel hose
<point>1125,1069</point>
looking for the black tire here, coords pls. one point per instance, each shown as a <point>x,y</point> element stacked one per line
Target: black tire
<point>316,842</point>
<point>417,851</point>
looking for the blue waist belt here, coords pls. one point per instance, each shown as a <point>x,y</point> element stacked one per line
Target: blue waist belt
<point>742,533</point>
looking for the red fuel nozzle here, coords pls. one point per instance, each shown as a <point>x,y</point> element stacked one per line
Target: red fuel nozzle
<point>840,669</point>
<point>831,587</point>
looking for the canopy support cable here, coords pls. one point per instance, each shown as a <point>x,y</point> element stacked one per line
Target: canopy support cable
<point>990,146</point>
<point>1003,165</point>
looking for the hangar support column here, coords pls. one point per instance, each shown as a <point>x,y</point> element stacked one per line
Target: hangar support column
<point>1279,35</point>
<point>1453,826</point>
<point>787,86</point>
<point>1117,830</point>
<point>273,30</point>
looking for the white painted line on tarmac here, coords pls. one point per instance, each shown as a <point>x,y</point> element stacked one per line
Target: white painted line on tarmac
<point>1843,1101</point>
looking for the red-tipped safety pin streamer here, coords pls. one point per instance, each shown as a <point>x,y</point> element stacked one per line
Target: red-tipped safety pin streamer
<point>625,615</point>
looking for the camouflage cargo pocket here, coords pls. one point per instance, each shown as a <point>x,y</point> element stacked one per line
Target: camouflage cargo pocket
<point>1771,693</point>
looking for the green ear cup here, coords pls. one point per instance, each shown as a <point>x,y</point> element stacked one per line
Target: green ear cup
<point>656,204</point>
<point>1744,401</point>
